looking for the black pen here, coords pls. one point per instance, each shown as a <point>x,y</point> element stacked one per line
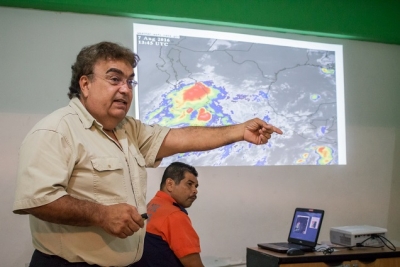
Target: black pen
<point>144,216</point>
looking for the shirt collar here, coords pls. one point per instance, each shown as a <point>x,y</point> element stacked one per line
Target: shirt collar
<point>86,118</point>
<point>168,198</point>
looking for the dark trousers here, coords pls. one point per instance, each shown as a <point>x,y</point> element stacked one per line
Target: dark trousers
<point>40,259</point>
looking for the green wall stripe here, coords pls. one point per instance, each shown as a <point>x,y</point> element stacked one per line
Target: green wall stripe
<point>368,20</point>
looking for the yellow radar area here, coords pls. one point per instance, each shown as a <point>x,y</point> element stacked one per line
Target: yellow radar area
<point>303,159</point>
<point>328,71</point>
<point>315,97</point>
<point>325,154</point>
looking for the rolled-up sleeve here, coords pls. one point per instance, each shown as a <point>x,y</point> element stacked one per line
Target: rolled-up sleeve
<point>149,139</point>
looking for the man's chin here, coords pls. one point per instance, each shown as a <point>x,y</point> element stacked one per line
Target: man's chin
<point>120,106</point>
<point>119,114</point>
<point>188,204</point>
<point>120,111</point>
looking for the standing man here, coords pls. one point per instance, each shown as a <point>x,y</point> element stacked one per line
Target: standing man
<point>82,176</point>
<point>170,238</point>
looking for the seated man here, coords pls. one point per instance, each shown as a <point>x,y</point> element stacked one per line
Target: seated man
<point>170,238</point>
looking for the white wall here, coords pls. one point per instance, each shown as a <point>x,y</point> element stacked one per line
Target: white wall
<point>238,206</point>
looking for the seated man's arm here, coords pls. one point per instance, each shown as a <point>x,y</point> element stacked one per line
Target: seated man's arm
<point>182,239</point>
<point>192,260</point>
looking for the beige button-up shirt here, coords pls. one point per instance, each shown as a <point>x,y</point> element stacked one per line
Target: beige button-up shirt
<point>68,153</point>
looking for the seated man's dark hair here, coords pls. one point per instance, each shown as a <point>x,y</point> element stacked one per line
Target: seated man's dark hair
<point>176,171</point>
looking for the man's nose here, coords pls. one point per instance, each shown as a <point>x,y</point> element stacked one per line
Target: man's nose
<point>124,87</point>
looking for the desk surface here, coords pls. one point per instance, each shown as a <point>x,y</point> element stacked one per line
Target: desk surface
<point>340,254</point>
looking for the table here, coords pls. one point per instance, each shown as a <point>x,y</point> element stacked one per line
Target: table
<point>341,257</point>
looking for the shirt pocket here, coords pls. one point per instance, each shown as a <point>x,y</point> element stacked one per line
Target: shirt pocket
<point>109,180</point>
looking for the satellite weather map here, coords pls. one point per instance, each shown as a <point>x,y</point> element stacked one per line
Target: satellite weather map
<point>191,77</point>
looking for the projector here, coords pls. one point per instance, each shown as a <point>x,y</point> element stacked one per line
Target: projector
<point>350,236</point>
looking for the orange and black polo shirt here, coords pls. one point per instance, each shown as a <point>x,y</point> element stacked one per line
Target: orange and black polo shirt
<point>169,233</point>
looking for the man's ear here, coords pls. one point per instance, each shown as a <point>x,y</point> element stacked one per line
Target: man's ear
<point>84,83</point>
<point>169,184</point>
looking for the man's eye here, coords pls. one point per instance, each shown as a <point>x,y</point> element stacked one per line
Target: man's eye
<point>115,80</point>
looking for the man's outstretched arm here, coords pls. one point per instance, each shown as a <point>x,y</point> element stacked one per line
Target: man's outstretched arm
<point>180,140</point>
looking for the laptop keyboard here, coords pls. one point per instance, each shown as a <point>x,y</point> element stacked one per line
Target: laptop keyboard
<point>290,245</point>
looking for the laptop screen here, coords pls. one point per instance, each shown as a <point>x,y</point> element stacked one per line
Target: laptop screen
<point>306,225</point>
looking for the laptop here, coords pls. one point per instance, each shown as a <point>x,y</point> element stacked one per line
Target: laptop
<point>303,234</point>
